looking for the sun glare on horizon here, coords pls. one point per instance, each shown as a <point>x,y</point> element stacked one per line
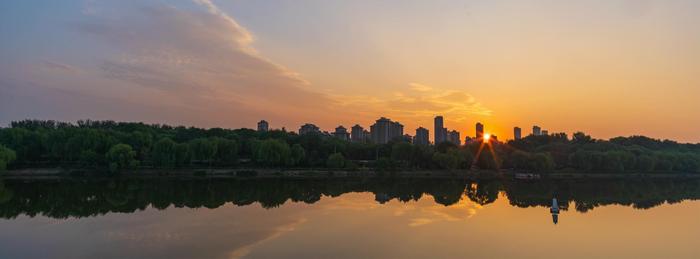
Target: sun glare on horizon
<point>487,137</point>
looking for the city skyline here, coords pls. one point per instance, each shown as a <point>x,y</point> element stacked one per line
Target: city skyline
<point>628,70</point>
<point>394,130</point>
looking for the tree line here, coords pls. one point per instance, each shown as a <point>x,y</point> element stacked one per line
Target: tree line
<point>119,146</point>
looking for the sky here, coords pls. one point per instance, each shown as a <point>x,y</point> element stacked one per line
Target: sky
<point>605,67</point>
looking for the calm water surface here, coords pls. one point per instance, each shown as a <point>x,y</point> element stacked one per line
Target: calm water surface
<point>348,218</point>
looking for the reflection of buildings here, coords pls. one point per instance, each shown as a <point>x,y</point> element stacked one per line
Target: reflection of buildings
<point>555,211</point>
<point>382,197</point>
<point>263,126</point>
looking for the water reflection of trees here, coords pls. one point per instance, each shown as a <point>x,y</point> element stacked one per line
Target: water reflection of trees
<point>84,198</point>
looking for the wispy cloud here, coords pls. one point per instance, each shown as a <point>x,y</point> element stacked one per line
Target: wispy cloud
<point>420,87</point>
<point>60,66</point>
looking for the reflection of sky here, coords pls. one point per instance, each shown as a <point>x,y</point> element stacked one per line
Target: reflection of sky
<point>356,226</point>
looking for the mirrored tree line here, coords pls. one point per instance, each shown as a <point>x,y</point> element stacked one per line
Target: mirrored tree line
<point>77,197</point>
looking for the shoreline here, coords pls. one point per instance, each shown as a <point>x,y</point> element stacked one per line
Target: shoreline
<point>268,173</point>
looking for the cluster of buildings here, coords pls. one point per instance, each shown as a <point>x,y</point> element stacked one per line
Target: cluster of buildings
<point>442,134</point>
<point>384,130</point>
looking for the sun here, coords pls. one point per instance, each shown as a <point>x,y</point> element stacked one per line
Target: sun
<point>487,137</point>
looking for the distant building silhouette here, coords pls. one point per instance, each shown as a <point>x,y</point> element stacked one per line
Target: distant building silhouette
<point>384,130</point>
<point>479,130</point>
<point>440,131</point>
<point>517,133</point>
<point>263,126</point>
<point>536,130</point>
<point>421,137</point>
<point>357,133</point>
<point>453,137</point>
<point>367,136</point>
<point>308,128</point>
<point>468,139</point>
<point>545,132</point>
<point>341,133</point>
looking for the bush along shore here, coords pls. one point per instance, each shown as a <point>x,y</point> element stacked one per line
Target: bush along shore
<point>106,147</point>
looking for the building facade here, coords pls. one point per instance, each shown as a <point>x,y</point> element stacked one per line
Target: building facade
<point>357,133</point>
<point>517,133</point>
<point>536,130</point>
<point>453,137</point>
<point>308,128</point>
<point>422,137</point>
<point>263,126</point>
<point>341,133</point>
<point>439,133</point>
<point>479,130</point>
<point>384,130</point>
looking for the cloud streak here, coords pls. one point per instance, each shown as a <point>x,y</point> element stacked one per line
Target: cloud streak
<point>420,102</point>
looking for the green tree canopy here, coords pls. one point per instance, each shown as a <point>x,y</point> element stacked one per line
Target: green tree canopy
<point>7,156</point>
<point>121,157</point>
<point>336,160</point>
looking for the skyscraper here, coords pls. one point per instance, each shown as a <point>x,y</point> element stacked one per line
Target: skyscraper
<point>421,137</point>
<point>384,130</point>
<point>517,133</point>
<point>453,137</point>
<point>357,133</point>
<point>439,130</point>
<point>479,130</point>
<point>536,130</point>
<point>263,126</point>
<point>341,133</point>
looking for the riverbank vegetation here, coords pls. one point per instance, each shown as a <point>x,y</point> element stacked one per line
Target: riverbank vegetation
<point>116,146</point>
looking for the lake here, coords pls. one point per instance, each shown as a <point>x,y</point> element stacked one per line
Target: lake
<point>348,218</point>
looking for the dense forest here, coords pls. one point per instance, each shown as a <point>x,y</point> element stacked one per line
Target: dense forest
<point>116,146</point>
<point>77,197</point>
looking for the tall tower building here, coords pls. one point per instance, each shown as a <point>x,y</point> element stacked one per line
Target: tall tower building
<point>536,130</point>
<point>479,130</point>
<point>263,126</point>
<point>440,131</point>
<point>517,133</point>
<point>421,137</point>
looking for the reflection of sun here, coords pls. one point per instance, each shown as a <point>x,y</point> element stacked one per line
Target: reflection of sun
<point>487,136</point>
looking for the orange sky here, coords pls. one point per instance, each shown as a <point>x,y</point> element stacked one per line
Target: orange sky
<point>607,68</point>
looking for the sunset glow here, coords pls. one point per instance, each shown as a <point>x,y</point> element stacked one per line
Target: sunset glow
<point>608,68</point>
